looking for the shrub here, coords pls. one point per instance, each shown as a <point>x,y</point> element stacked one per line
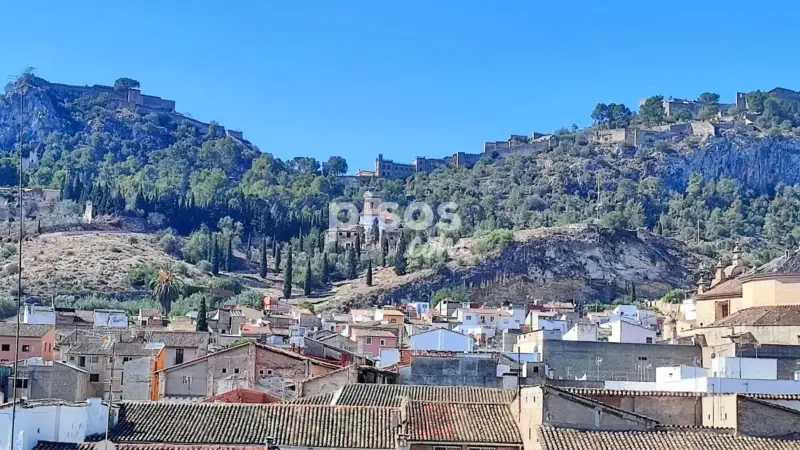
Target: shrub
<point>140,275</point>
<point>204,265</point>
<point>494,240</point>
<point>169,243</point>
<point>133,240</point>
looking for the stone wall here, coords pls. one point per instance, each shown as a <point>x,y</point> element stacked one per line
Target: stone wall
<point>620,361</point>
<point>677,410</point>
<point>757,418</point>
<point>328,383</point>
<point>442,371</point>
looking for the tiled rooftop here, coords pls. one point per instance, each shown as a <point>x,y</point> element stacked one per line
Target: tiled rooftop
<point>120,349</point>
<point>551,438</point>
<point>468,423</point>
<point>729,288</point>
<point>368,332</point>
<point>289,425</point>
<point>763,316</point>
<point>391,395</point>
<point>321,399</point>
<point>25,330</point>
<point>628,393</point>
<point>44,445</point>
<point>185,339</point>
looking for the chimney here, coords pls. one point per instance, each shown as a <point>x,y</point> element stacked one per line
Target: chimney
<point>702,285</point>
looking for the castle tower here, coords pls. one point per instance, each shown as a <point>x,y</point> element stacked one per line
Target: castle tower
<point>737,255</point>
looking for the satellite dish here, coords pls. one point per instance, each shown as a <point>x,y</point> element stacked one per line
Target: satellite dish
<point>105,444</point>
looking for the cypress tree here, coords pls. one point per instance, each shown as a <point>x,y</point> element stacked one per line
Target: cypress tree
<point>400,263</point>
<point>352,265</point>
<point>321,241</point>
<point>300,244</point>
<point>633,292</point>
<point>287,278</point>
<point>39,226</point>
<point>274,248</point>
<point>369,272</point>
<point>375,233</point>
<point>249,243</point>
<point>202,317</point>
<point>277,261</point>
<point>326,270</point>
<point>263,271</point>
<point>214,255</point>
<point>358,244</point>
<point>384,250</point>
<point>229,255</point>
<point>307,282</point>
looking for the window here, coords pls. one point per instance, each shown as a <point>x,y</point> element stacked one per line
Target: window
<point>467,317</point>
<point>94,377</point>
<point>7,347</point>
<point>224,370</point>
<point>535,369</point>
<point>649,340</point>
<point>236,370</point>
<point>94,359</point>
<point>125,359</point>
<point>261,372</point>
<point>269,371</point>
<point>22,383</point>
<point>643,358</point>
<point>82,361</point>
<point>383,342</point>
<point>447,448</point>
<point>369,341</point>
<point>71,358</point>
<point>178,356</point>
<point>187,379</point>
<point>491,318</point>
<point>26,348</point>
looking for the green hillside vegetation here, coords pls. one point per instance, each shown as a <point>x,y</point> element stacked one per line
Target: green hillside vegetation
<point>159,166</point>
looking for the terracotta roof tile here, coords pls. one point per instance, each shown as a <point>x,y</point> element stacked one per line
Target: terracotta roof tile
<point>367,332</point>
<point>44,445</point>
<point>471,423</point>
<point>763,316</point>
<point>289,425</point>
<point>190,339</point>
<point>551,438</point>
<point>728,288</point>
<point>627,393</point>
<point>321,399</point>
<point>25,329</point>
<point>391,395</point>
<point>120,349</point>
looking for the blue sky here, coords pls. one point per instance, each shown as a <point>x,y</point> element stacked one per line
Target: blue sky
<point>405,78</point>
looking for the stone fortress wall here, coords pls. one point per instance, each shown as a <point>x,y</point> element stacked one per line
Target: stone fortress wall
<point>141,103</point>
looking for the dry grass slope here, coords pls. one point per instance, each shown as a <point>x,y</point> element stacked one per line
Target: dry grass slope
<point>62,263</point>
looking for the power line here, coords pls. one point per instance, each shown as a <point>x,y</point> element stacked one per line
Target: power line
<point>19,272</point>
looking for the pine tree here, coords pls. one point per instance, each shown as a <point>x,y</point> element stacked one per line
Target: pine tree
<point>277,261</point>
<point>326,270</point>
<point>287,278</point>
<point>214,255</point>
<point>307,282</point>
<point>358,244</point>
<point>384,249</point>
<point>375,233</point>
<point>229,255</point>
<point>400,263</point>
<point>369,272</point>
<point>202,317</point>
<point>352,264</point>
<point>264,270</point>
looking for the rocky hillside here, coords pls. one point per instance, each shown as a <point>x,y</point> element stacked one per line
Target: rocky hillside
<point>584,263</point>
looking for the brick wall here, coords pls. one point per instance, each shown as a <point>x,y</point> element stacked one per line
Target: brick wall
<point>667,410</point>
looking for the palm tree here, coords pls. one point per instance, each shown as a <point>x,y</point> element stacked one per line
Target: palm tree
<point>166,288</point>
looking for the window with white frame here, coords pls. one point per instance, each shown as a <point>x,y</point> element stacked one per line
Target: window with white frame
<point>369,341</point>
<point>383,342</point>
<point>187,379</point>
